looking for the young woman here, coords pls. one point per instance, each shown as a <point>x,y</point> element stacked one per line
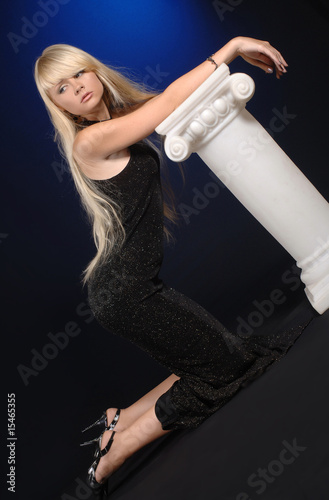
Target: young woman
<point>102,120</point>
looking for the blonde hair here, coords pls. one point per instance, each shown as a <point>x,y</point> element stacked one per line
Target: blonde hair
<point>62,61</point>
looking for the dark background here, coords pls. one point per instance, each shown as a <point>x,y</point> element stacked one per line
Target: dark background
<point>223,258</point>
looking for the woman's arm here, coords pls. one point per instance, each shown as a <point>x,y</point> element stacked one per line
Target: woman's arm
<point>96,143</point>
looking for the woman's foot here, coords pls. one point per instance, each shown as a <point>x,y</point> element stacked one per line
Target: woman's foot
<point>112,460</point>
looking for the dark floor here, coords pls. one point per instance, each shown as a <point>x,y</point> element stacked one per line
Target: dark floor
<point>271,441</point>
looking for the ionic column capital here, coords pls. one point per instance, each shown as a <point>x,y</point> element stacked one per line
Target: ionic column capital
<point>206,112</point>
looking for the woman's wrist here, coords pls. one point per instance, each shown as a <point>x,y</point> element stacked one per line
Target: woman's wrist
<point>228,52</point>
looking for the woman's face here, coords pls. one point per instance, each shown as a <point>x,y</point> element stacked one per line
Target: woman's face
<point>80,95</point>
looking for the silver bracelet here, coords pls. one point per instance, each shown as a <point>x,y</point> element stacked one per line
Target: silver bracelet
<point>210,58</point>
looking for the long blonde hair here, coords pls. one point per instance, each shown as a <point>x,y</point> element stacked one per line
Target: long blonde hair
<point>62,61</point>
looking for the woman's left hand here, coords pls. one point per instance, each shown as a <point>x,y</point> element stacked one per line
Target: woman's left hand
<point>261,53</point>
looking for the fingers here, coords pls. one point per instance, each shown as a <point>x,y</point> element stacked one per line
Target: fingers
<point>278,54</point>
<point>265,63</point>
<point>276,57</point>
<point>261,53</point>
<point>269,68</point>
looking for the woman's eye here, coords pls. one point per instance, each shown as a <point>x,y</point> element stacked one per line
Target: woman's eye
<point>77,75</point>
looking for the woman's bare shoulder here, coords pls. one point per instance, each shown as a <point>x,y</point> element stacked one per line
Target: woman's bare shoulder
<point>98,168</point>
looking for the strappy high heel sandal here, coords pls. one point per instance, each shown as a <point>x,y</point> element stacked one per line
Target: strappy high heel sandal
<point>98,489</point>
<point>102,422</point>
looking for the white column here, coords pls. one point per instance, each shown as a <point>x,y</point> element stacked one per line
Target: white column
<point>214,123</point>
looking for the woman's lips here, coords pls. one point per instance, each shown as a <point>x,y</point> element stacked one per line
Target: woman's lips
<point>86,97</point>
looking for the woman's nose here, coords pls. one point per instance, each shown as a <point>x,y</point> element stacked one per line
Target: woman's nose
<point>79,88</point>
